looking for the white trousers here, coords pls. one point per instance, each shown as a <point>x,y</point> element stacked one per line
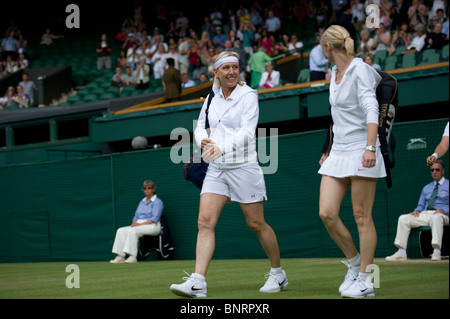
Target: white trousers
<point>127,238</point>
<point>426,218</point>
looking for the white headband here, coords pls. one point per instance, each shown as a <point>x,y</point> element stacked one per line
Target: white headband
<point>226,59</point>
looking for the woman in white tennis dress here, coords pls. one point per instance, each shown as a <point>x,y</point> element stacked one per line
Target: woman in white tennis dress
<point>354,161</point>
<point>233,174</point>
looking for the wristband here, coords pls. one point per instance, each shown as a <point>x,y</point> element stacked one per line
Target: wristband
<point>435,156</point>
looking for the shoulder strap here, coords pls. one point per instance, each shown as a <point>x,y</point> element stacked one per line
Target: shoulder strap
<point>210,97</point>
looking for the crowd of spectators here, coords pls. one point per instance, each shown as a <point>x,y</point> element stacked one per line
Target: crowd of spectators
<point>254,31</point>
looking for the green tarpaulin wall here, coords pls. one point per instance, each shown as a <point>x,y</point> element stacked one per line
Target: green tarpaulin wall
<point>70,210</point>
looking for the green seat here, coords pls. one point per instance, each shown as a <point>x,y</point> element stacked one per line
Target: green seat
<point>90,98</point>
<point>303,76</point>
<point>432,58</point>
<point>425,55</point>
<point>409,60</point>
<point>399,50</point>
<point>380,57</point>
<point>444,53</point>
<point>391,60</point>
<point>114,90</point>
<point>73,99</point>
<point>91,85</point>
<point>97,91</point>
<point>83,92</point>
<point>390,66</point>
<point>107,96</point>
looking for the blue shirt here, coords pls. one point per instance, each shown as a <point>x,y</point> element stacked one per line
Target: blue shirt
<point>151,211</point>
<point>317,61</point>
<point>441,198</point>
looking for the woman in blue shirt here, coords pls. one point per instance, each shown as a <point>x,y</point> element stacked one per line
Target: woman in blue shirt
<point>145,222</point>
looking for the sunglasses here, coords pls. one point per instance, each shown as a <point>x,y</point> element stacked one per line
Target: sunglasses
<point>435,169</point>
<point>144,188</point>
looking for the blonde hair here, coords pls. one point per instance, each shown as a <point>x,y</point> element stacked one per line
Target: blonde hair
<point>224,54</point>
<point>339,38</point>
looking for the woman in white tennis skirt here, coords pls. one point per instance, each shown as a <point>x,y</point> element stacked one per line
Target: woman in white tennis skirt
<point>233,174</point>
<point>354,161</point>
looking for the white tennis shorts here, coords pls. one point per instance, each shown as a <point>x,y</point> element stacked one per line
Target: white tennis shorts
<point>244,184</point>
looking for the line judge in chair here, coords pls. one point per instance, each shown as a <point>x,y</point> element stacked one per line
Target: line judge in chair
<point>146,221</point>
<point>432,211</point>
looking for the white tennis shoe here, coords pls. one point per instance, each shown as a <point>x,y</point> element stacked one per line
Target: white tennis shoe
<point>350,277</point>
<point>275,282</point>
<point>359,289</point>
<point>193,287</point>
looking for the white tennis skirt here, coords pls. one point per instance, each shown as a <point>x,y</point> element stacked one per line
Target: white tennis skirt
<point>342,164</point>
<point>244,184</point>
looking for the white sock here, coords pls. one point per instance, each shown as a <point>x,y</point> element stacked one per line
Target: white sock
<point>275,270</point>
<point>437,250</point>
<point>402,251</point>
<point>355,261</point>
<point>364,277</point>
<point>199,277</point>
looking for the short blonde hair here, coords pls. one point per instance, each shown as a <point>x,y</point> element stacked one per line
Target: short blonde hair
<point>339,38</point>
<point>224,54</point>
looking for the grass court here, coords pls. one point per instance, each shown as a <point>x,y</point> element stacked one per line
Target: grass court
<point>227,279</point>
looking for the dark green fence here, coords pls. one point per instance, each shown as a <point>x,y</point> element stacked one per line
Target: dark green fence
<point>70,209</point>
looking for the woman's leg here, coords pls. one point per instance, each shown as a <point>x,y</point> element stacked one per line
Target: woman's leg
<point>210,207</point>
<point>332,192</point>
<point>254,216</point>
<point>363,196</point>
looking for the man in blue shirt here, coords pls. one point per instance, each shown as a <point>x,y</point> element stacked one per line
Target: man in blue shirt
<point>146,221</point>
<point>432,211</point>
<point>318,64</point>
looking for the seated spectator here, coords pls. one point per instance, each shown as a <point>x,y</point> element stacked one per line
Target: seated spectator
<point>270,78</point>
<point>401,37</point>
<point>173,54</point>
<point>418,12</point>
<point>11,66</point>
<point>204,78</point>
<point>21,99</point>
<point>432,210</point>
<point>193,55</point>
<point>186,82</point>
<point>418,42</point>
<point>246,32</point>
<point>104,53</point>
<point>7,102</point>
<point>47,38</point>
<point>22,62</point>
<point>146,221</point>
<point>382,40</point>
<point>199,70</point>
<point>366,43</point>
<point>216,16</point>
<point>117,78</point>
<point>10,46</point>
<point>369,58</point>
<point>142,75</point>
<point>29,88</point>
<point>272,23</point>
<point>435,39</point>
<point>219,39</point>
<point>2,70</point>
<point>128,78</point>
<point>266,40</point>
<point>295,44</point>
<point>159,62</point>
